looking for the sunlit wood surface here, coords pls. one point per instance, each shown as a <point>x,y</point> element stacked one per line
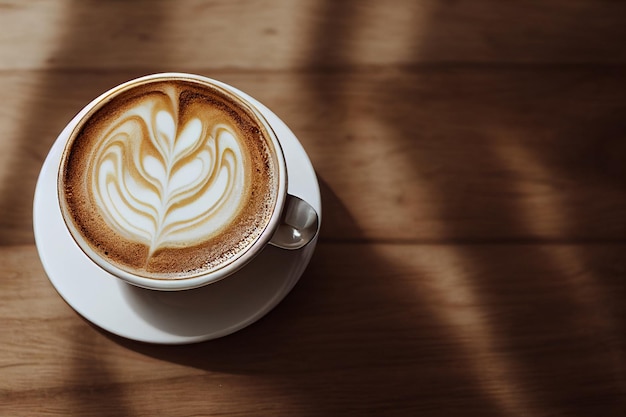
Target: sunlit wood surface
<point>472,162</point>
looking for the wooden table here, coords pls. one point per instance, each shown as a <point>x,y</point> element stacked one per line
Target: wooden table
<point>472,160</point>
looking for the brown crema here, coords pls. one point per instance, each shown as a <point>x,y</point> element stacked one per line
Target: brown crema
<point>168,179</point>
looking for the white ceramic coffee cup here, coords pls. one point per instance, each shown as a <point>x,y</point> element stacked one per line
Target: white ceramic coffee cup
<point>293,223</point>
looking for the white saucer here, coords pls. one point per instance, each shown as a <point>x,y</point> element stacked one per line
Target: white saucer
<point>176,317</point>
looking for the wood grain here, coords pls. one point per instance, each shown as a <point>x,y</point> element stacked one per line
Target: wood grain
<point>443,330</point>
<point>281,34</point>
<point>471,160</point>
<point>467,154</point>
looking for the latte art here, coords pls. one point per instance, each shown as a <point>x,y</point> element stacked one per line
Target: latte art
<point>183,183</point>
<point>169,179</point>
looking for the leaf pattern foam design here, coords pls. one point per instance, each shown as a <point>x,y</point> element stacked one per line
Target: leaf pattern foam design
<point>166,185</point>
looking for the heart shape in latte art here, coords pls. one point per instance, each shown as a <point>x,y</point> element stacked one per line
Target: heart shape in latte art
<point>165,183</point>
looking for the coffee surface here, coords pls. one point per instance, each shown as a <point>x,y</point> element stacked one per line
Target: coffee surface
<point>169,179</point>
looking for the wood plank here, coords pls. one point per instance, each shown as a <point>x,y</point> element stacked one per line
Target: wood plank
<point>419,155</point>
<point>282,34</point>
<point>442,330</point>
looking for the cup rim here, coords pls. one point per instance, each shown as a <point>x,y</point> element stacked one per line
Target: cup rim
<point>198,279</point>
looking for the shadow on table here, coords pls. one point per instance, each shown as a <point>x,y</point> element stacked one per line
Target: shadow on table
<point>502,320</point>
<point>350,337</point>
<point>501,327</point>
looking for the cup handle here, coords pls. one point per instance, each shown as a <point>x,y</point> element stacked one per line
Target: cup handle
<point>299,224</point>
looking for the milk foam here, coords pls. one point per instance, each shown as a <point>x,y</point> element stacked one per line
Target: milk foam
<point>163,183</point>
